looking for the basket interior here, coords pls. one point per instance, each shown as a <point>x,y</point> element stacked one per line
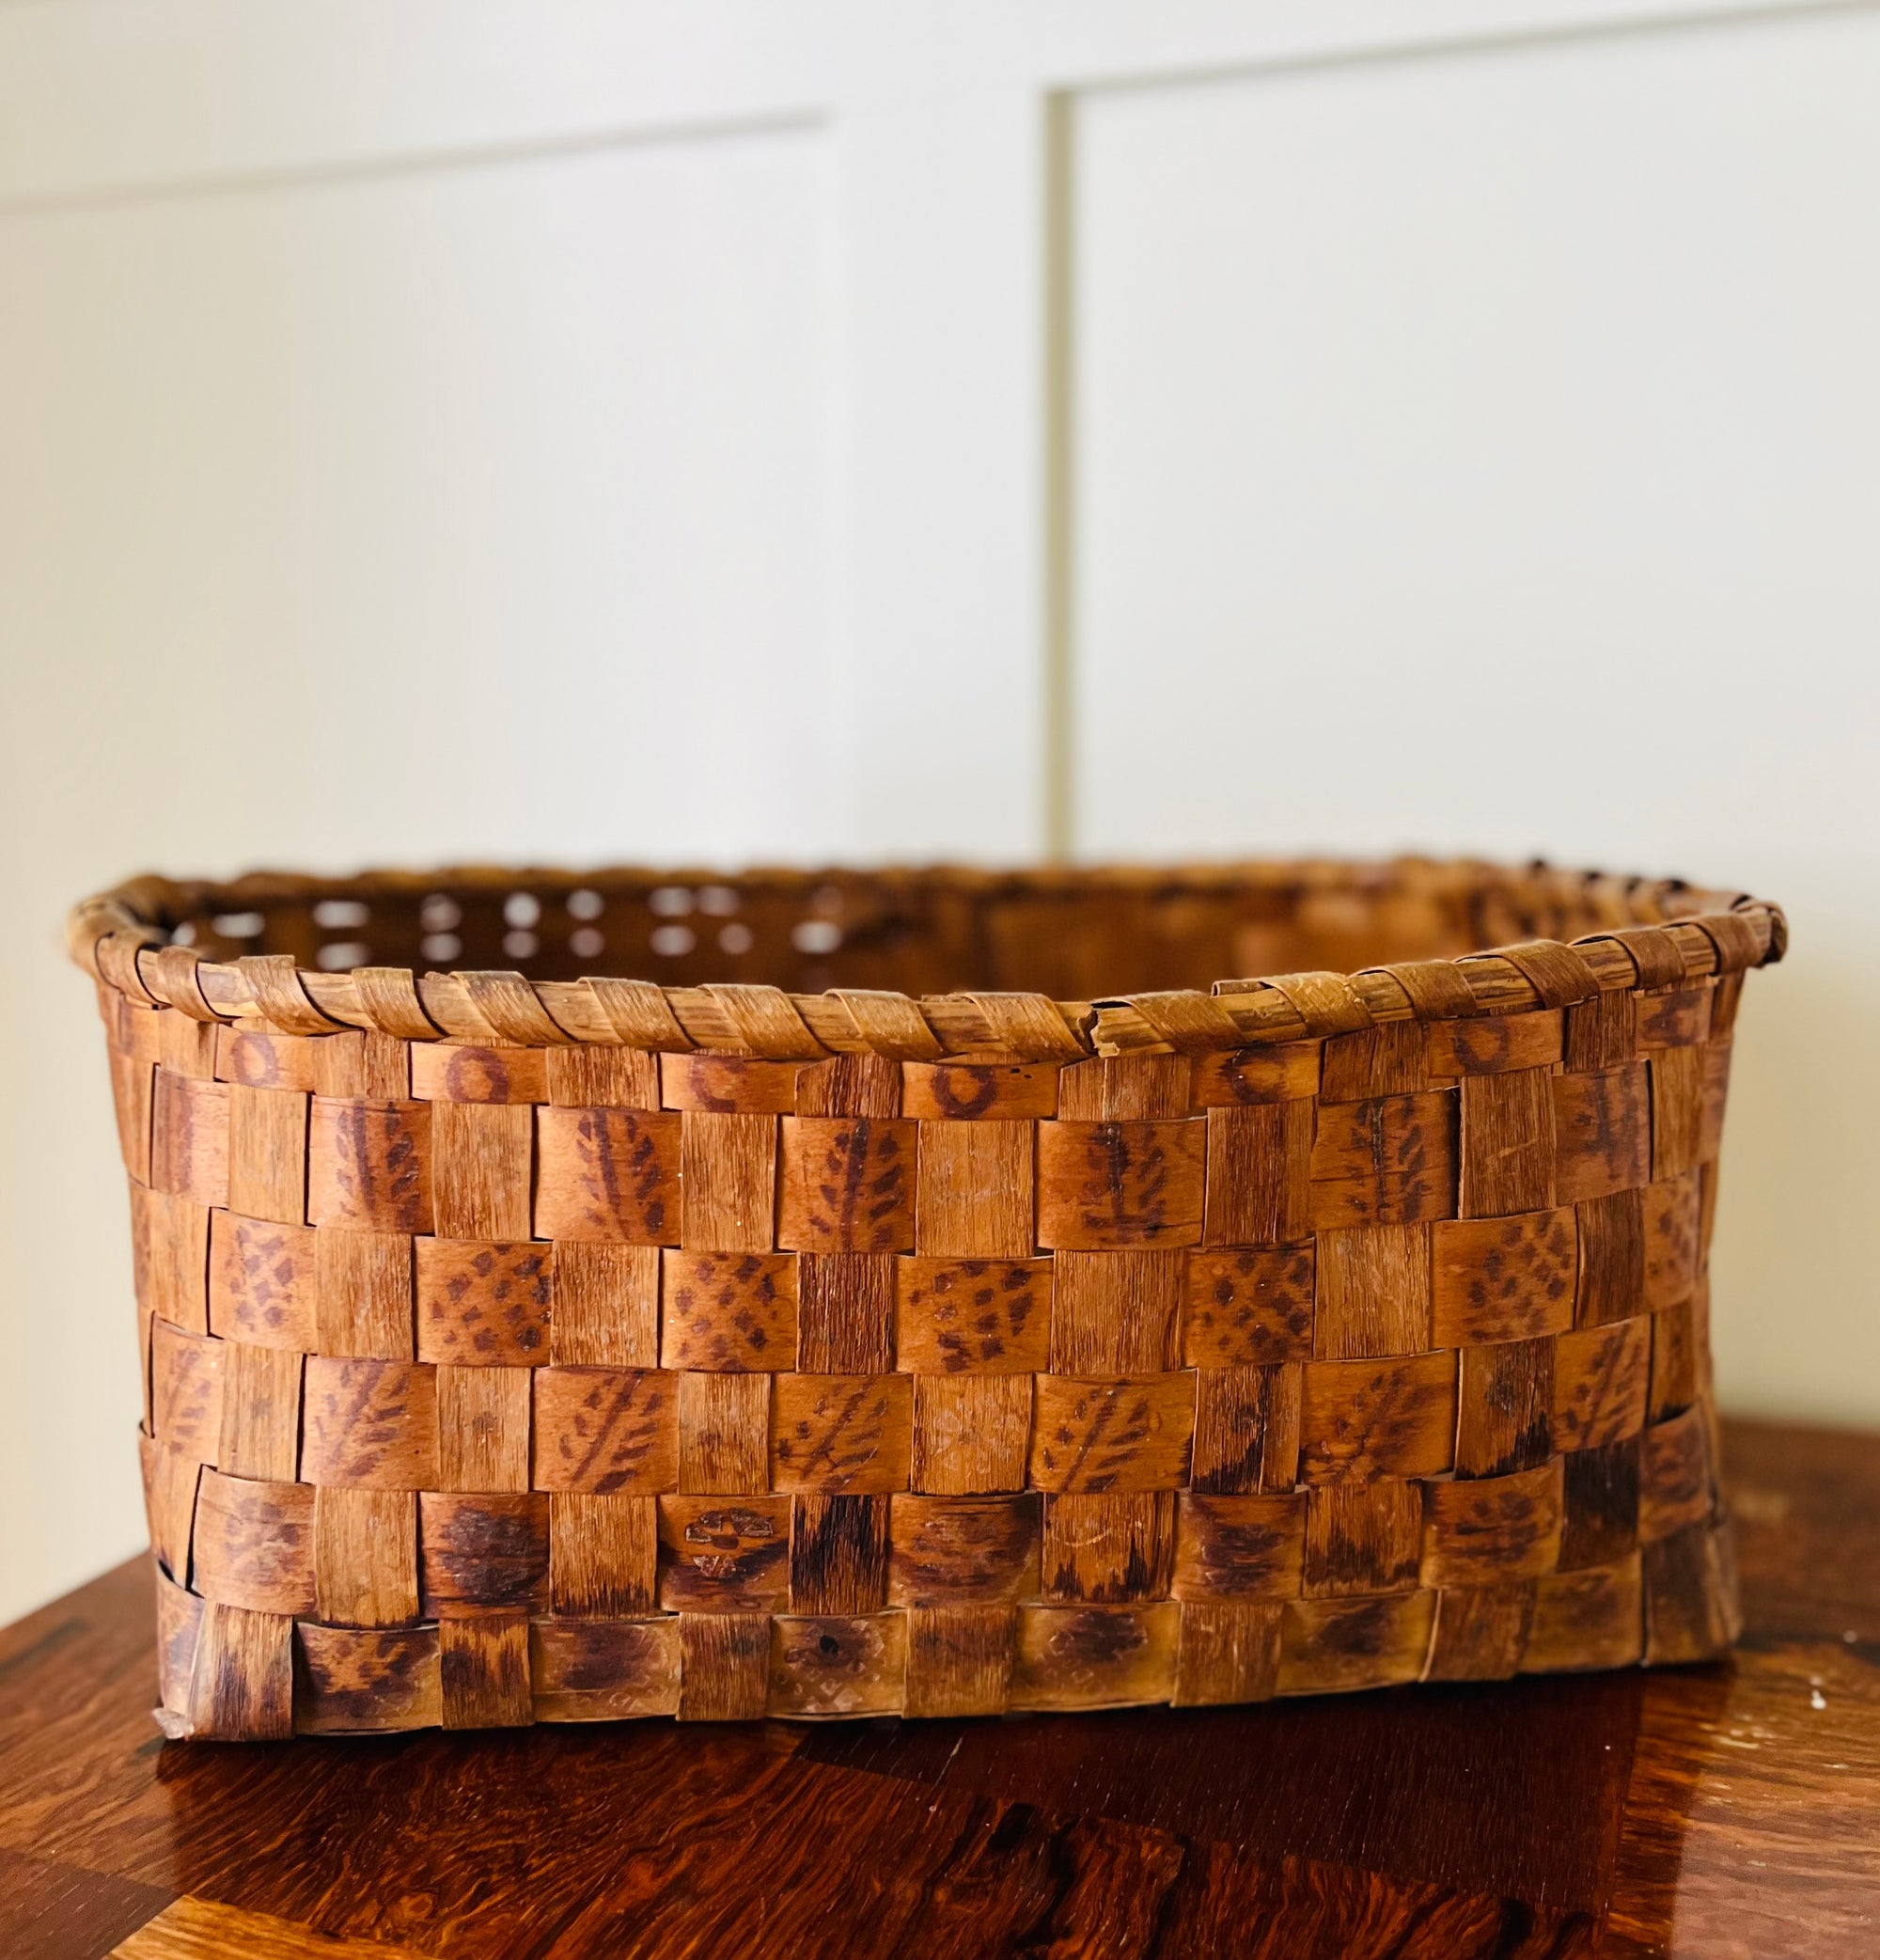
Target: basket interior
<point>1075,935</point>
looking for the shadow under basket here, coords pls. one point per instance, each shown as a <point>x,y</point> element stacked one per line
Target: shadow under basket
<point>931,1292</point>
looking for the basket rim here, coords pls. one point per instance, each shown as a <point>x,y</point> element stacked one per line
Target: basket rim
<point>1663,933</point>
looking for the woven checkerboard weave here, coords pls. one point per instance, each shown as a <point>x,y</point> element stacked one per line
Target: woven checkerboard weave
<point>556,1350</point>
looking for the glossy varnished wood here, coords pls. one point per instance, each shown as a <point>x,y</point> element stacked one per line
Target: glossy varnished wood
<point>1726,1809</point>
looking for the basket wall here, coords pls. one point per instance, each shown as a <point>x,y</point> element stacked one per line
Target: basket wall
<point>1329,1334</point>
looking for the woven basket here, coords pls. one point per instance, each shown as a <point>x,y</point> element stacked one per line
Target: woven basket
<point>521,1346</point>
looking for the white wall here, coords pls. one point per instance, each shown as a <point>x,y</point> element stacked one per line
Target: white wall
<point>607,431</point>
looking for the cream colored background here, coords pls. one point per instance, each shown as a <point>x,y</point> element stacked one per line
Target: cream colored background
<point>790,430</point>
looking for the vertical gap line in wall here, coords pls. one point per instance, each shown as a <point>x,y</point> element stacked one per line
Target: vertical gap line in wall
<point>1059,787</point>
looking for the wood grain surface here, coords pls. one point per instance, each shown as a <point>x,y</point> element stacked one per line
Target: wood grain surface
<point>1727,1810</point>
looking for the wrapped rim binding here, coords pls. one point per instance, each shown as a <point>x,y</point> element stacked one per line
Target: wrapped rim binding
<point>158,942</point>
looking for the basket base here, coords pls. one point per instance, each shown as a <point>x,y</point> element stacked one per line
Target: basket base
<point>229,1673</point>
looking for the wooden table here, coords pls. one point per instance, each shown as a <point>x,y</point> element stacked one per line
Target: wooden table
<point>1713,1811</point>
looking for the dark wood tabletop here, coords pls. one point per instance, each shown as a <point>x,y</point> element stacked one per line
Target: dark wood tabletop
<point>1716,1810</point>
